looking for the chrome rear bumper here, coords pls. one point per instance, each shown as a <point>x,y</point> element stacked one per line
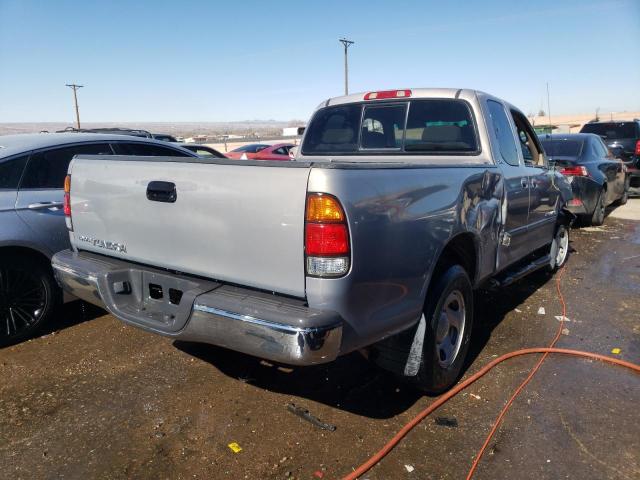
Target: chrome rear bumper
<point>267,326</point>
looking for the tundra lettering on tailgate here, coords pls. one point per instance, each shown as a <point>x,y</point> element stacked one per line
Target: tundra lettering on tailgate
<point>96,242</point>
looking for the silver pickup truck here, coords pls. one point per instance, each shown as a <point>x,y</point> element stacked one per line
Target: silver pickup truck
<point>398,206</point>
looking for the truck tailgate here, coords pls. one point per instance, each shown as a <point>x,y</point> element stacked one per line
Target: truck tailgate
<point>240,223</point>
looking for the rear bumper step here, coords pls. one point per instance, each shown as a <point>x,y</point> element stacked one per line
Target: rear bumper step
<point>268,326</point>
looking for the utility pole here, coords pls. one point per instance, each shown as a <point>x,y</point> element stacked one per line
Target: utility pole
<point>347,44</point>
<point>549,109</point>
<point>75,88</point>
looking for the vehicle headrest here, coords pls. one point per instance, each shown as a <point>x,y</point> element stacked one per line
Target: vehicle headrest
<point>442,133</point>
<point>338,135</point>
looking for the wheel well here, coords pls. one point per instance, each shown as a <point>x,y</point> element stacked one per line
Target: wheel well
<point>26,252</point>
<point>460,250</point>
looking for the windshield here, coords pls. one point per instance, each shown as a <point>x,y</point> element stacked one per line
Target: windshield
<point>433,126</point>
<point>252,148</point>
<point>611,131</point>
<point>562,148</point>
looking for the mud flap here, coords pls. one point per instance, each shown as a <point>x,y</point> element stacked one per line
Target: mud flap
<point>415,353</point>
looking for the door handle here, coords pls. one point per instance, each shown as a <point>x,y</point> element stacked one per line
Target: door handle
<point>162,192</point>
<point>524,182</point>
<point>43,205</point>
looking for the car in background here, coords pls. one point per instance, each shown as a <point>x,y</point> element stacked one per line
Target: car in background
<point>32,172</point>
<point>623,139</point>
<point>133,132</point>
<point>597,178</point>
<point>262,151</point>
<point>202,150</point>
<point>165,137</point>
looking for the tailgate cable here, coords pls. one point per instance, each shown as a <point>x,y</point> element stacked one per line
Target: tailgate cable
<point>372,461</point>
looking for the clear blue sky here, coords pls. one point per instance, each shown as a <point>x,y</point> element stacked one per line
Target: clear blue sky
<point>217,61</point>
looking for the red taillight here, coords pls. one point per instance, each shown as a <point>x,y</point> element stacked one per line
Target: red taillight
<point>387,94</point>
<point>575,171</point>
<point>326,236</point>
<point>327,239</point>
<point>637,151</point>
<point>67,196</point>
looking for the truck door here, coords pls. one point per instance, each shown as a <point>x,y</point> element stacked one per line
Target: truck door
<point>515,203</point>
<point>543,194</point>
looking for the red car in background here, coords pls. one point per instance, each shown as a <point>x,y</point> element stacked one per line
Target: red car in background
<point>261,151</point>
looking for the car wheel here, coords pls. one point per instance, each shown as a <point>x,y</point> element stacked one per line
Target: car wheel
<point>448,314</point>
<point>597,218</point>
<point>559,248</point>
<point>28,297</point>
<point>625,195</point>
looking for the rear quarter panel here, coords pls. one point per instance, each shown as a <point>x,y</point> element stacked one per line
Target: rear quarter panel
<point>400,220</point>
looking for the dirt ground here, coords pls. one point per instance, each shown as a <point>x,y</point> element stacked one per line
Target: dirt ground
<point>93,398</point>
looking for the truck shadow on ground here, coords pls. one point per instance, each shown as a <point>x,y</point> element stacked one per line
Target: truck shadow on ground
<point>351,383</point>
<point>70,314</point>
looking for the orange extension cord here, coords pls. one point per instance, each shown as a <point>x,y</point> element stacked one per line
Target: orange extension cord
<point>461,386</point>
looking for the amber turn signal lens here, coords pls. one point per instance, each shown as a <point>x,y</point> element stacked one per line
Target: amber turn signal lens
<point>323,209</point>
<point>67,184</point>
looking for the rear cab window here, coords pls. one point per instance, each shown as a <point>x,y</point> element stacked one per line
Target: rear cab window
<point>562,148</point>
<point>419,126</point>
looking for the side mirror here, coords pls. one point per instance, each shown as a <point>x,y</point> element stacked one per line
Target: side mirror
<point>617,151</point>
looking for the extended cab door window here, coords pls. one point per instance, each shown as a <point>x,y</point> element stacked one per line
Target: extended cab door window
<point>501,128</point>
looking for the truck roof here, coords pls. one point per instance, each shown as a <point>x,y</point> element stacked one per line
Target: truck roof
<point>415,93</point>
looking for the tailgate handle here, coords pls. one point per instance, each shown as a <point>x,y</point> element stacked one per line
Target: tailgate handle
<point>162,192</point>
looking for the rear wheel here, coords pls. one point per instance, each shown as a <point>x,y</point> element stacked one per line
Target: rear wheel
<point>449,320</point>
<point>559,248</point>
<point>597,218</point>
<point>625,195</point>
<point>28,296</point>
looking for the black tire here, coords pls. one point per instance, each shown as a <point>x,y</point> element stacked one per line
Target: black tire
<point>28,297</point>
<point>597,218</point>
<point>625,195</point>
<point>433,376</point>
<point>559,248</point>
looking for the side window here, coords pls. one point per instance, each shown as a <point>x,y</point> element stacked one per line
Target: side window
<point>503,134</point>
<point>380,125</point>
<point>47,169</point>
<point>600,148</point>
<point>280,151</point>
<point>531,150</point>
<point>147,150</point>
<point>11,171</point>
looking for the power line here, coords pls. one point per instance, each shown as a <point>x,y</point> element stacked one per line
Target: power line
<point>75,88</point>
<point>347,44</point>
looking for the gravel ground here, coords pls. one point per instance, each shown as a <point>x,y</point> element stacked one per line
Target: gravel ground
<point>93,398</point>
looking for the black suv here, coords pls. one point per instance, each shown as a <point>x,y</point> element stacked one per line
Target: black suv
<point>623,139</point>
